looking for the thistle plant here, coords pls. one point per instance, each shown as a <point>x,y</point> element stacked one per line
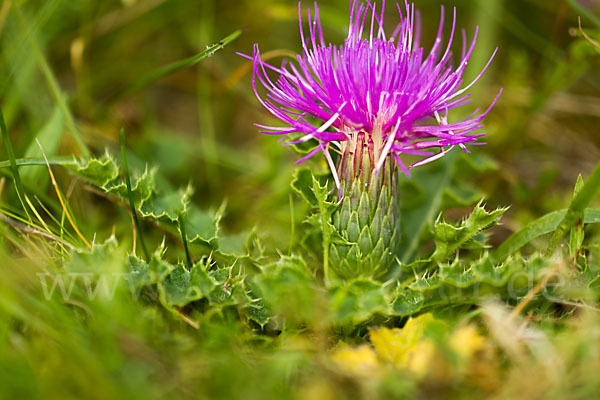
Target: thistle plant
<point>379,99</point>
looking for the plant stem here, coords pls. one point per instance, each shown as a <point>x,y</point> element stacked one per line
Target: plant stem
<point>188,258</point>
<point>130,195</point>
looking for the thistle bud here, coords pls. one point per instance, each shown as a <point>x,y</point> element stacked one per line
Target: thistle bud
<point>368,216</point>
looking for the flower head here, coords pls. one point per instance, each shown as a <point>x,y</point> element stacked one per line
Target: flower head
<point>386,92</point>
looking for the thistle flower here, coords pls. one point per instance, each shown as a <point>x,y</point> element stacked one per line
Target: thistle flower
<point>377,98</point>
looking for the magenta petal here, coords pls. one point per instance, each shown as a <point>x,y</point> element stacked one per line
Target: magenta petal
<point>373,84</point>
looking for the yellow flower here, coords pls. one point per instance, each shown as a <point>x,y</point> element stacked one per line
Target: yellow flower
<point>361,360</point>
<point>398,346</point>
<point>466,342</point>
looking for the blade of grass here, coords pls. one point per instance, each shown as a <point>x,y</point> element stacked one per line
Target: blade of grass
<point>62,202</point>
<point>64,161</point>
<point>49,136</point>
<point>130,195</point>
<point>68,235</point>
<point>36,214</point>
<point>176,66</point>
<point>33,231</point>
<point>52,83</point>
<point>576,208</point>
<point>13,163</point>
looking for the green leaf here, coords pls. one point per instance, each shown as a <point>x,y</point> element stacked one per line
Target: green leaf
<point>543,225</point>
<point>288,288</point>
<point>148,273</point>
<point>181,286</point>
<point>201,226</point>
<point>95,260</point>
<point>357,300</point>
<point>468,235</point>
<point>576,209</point>
<point>449,238</point>
<point>302,184</point>
<point>141,188</point>
<point>229,290</point>
<point>469,283</point>
<point>98,171</point>
<point>257,311</point>
<point>167,207</point>
<point>235,245</point>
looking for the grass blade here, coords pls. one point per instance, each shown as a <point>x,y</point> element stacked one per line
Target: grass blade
<point>176,66</point>
<point>49,136</point>
<point>63,203</point>
<point>13,163</point>
<point>21,162</point>
<point>52,82</point>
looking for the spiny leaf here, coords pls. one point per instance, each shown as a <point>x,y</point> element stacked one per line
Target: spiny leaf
<point>468,283</point>
<point>434,188</point>
<point>98,171</point>
<point>201,226</point>
<point>449,238</point>
<point>357,300</point>
<point>323,220</point>
<point>167,207</point>
<point>148,273</point>
<point>288,288</point>
<point>181,286</point>
<point>257,311</point>
<point>302,184</point>
<point>94,260</point>
<point>230,290</point>
<point>142,187</point>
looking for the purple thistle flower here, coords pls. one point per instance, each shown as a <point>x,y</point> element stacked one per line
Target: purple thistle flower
<point>386,93</point>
